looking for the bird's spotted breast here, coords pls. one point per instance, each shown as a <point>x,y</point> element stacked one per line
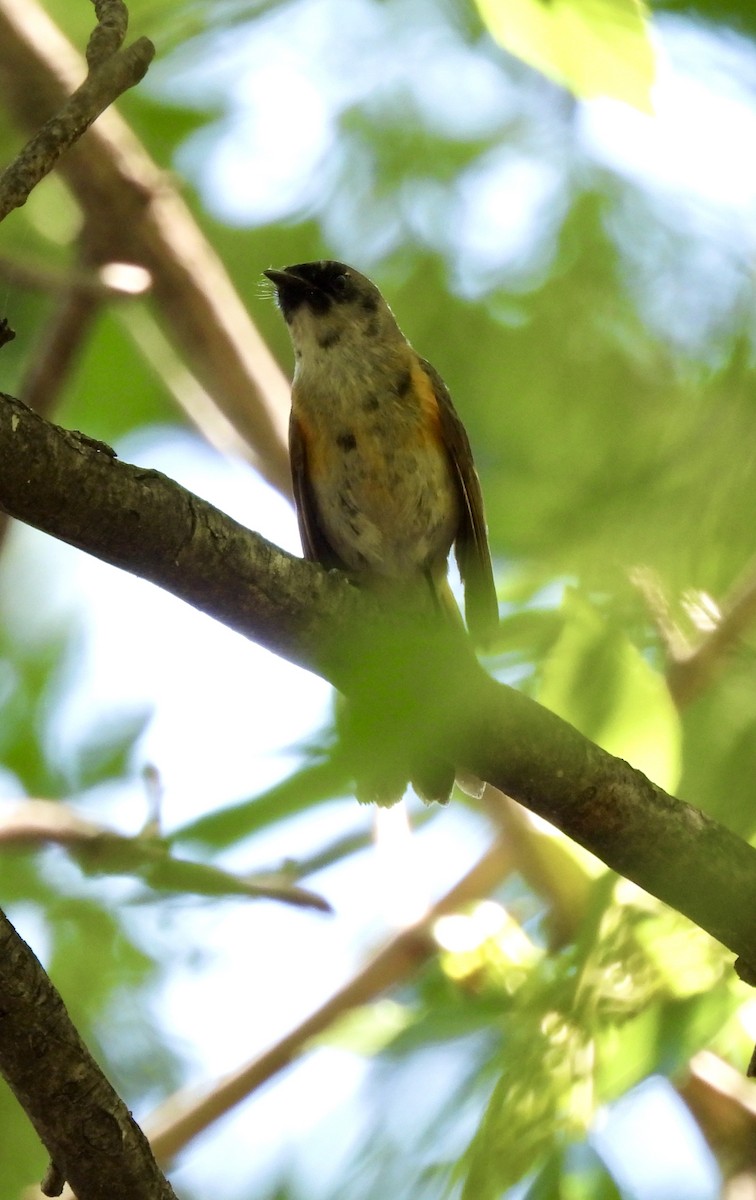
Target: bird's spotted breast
<point>403,382</point>
<point>383,485</point>
<point>383,474</point>
<point>329,339</point>
<point>346,440</point>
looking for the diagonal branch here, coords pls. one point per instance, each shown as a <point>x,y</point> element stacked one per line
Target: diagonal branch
<point>185,1115</point>
<point>111,72</point>
<point>689,674</point>
<point>136,214</point>
<point>421,679</point>
<point>92,1139</point>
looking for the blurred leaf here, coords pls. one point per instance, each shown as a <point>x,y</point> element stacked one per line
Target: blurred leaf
<point>83,932</point>
<point>627,1052</point>
<point>564,1049</point>
<point>100,851</point>
<point>112,368</point>
<point>163,124</point>
<point>720,747</point>
<point>524,637</point>
<point>567,1176</point>
<point>368,1029</point>
<point>105,752</point>
<point>595,678</point>
<point>22,1154</point>
<point>309,787</point>
<point>688,960</point>
<point>593,47</point>
<point>28,676</point>
<point>162,872</point>
<point>542,1096</point>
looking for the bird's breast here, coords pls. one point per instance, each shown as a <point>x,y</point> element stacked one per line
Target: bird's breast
<point>380,475</point>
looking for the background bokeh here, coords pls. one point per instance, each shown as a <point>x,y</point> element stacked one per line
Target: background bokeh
<point>581,273</point>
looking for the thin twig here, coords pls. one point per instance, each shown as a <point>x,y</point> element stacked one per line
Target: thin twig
<point>692,667</point>
<point>143,220</point>
<point>60,346</point>
<point>689,675</point>
<point>107,36</point>
<point>112,282</point>
<point>189,394</point>
<point>724,1106</point>
<point>184,1115</point>
<point>111,72</point>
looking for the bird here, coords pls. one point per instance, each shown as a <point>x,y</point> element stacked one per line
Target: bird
<point>382,470</point>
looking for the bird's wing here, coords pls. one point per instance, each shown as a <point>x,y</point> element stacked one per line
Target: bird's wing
<point>315,544</point>
<point>471,543</point>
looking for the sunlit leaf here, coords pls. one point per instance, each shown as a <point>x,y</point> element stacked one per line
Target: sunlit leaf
<point>593,47</point>
<point>369,1029</point>
<point>688,960</point>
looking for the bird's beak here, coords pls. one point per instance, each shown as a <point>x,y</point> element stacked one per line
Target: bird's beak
<point>292,290</point>
<point>287,283</point>
<point>283,279</point>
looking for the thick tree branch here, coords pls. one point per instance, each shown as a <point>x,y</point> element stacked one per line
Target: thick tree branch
<point>60,345</point>
<point>92,1139</point>
<point>422,679</point>
<point>140,520</point>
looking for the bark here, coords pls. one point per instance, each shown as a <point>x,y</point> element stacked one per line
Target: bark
<point>93,1140</point>
<point>133,213</point>
<point>418,691</point>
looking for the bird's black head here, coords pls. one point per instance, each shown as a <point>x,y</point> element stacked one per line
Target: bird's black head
<point>320,285</point>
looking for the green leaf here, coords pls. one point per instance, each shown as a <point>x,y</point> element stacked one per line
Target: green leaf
<point>369,1029</point>
<point>149,858</point>
<point>598,680</point>
<point>316,783</point>
<point>101,851</point>
<point>593,47</point>
<point>688,960</point>
<point>106,749</point>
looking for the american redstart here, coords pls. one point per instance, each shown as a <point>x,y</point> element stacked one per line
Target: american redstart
<point>383,474</point>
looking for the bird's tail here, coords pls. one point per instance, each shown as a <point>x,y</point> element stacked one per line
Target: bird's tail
<point>445,601</point>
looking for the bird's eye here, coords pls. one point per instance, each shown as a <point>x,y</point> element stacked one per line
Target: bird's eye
<point>340,284</point>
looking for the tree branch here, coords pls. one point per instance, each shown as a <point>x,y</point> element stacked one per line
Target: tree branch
<point>136,215</point>
<point>422,679</point>
<point>185,1115</point>
<point>723,1104</point>
<point>691,673</point>
<point>92,1139</point>
<point>111,72</point>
